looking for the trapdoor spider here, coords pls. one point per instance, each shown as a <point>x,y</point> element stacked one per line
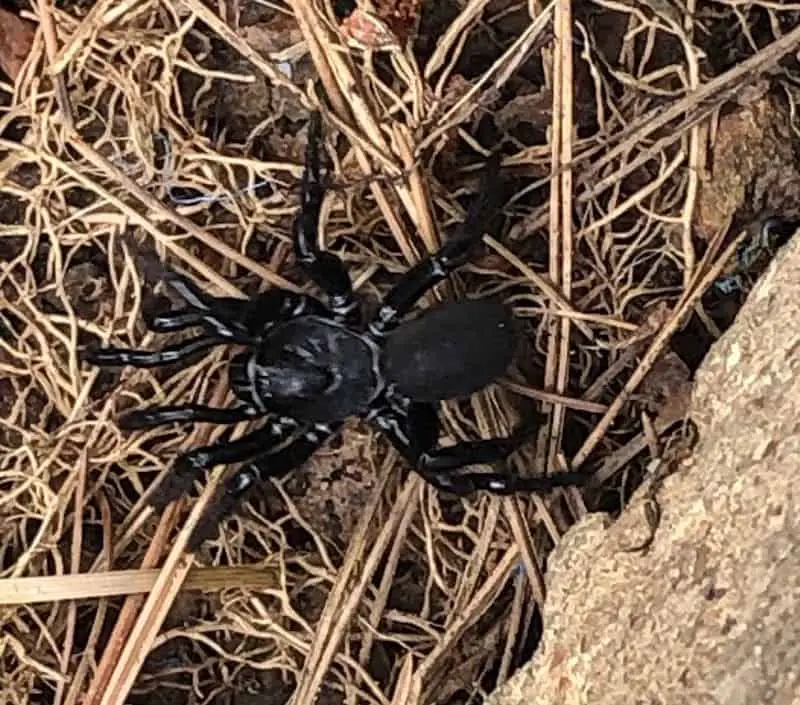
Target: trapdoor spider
<point>308,365</point>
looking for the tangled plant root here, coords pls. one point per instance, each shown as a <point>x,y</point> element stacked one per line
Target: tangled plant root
<point>134,147</point>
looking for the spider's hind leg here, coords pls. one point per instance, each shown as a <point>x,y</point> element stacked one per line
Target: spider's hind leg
<point>325,268</point>
<point>454,253</point>
<point>439,467</point>
<point>415,435</point>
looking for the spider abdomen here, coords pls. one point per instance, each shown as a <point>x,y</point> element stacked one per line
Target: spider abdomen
<point>450,351</point>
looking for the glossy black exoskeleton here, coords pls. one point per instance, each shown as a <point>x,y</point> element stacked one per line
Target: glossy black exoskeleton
<point>309,365</point>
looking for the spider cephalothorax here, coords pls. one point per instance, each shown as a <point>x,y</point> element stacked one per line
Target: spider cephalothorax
<point>308,365</point>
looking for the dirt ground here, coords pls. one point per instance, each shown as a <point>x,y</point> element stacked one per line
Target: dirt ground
<point>640,174</point>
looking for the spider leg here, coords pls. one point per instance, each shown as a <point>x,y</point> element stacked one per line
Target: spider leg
<point>415,434</point>
<point>170,321</point>
<point>185,413</point>
<point>189,465</point>
<point>184,354</point>
<point>233,319</point>
<point>454,253</point>
<point>242,483</point>
<point>325,268</point>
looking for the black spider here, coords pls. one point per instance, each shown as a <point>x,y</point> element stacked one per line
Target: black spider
<point>308,365</point>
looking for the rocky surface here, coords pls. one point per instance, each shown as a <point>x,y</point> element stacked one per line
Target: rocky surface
<point>710,613</point>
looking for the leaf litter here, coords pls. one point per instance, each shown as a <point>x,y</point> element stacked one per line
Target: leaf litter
<point>169,126</point>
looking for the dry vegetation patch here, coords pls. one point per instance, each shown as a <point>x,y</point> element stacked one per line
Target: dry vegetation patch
<point>179,127</point>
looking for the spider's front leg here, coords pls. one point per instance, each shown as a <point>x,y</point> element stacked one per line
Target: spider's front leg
<point>235,320</point>
<point>182,354</point>
<point>224,320</point>
<point>415,434</point>
<point>325,268</point>
<point>454,253</point>
<point>153,416</point>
